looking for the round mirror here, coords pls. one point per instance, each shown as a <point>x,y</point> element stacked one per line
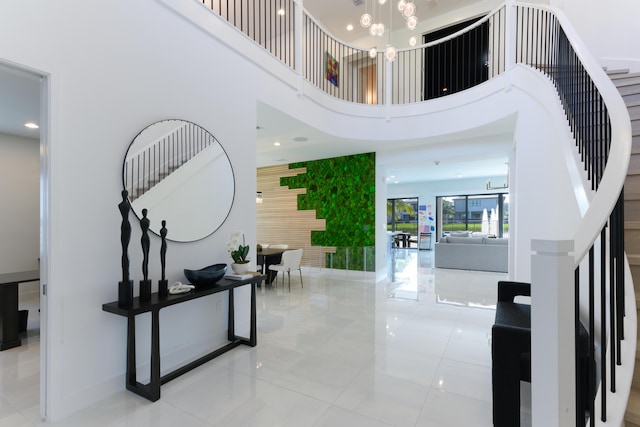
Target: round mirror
<point>180,173</point>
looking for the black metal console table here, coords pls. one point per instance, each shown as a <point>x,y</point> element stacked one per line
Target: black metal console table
<point>151,390</point>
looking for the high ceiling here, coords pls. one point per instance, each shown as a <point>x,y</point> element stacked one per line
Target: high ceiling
<point>464,155</point>
<point>335,15</point>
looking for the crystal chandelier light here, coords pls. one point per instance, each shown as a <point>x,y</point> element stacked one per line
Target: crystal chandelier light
<point>412,21</point>
<point>409,10</point>
<point>390,53</point>
<point>406,9</point>
<point>365,20</point>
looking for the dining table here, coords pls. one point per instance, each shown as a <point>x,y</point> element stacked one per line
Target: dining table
<point>267,257</point>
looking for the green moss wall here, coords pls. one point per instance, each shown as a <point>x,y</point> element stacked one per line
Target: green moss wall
<point>342,191</point>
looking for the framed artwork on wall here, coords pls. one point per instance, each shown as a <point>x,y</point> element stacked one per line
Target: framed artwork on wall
<point>332,69</point>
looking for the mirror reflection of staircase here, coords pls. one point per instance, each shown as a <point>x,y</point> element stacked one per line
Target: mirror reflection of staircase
<point>157,153</point>
<point>628,85</point>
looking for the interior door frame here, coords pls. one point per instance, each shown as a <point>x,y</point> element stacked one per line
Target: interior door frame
<point>393,213</point>
<point>45,227</point>
<point>45,248</point>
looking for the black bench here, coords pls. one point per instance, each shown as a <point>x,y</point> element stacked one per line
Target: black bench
<point>511,355</point>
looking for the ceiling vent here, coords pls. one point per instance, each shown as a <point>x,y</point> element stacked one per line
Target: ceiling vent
<point>358,2</point>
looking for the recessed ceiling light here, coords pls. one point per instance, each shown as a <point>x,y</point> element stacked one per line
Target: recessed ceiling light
<point>459,175</point>
<point>349,27</point>
<point>277,144</point>
<point>31,125</point>
<point>281,11</point>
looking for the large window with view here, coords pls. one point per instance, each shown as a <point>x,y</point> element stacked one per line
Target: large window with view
<point>487,214</point>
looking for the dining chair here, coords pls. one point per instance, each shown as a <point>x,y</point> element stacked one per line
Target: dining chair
<point>290,261</point>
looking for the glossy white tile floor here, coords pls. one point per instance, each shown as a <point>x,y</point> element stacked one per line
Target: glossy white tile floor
<point>341,351</point>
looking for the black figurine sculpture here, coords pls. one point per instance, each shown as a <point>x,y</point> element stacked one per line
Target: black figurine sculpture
<point>145,283</point>
<point>125,287</point>
<point>144,240</point>
<point>163,246</point>
<point>125,234</point>
<point>163,285</point>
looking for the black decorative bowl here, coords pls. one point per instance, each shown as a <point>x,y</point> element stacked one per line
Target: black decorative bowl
<point>206,276</point>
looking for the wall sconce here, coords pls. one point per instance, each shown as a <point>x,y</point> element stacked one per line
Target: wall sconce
<point>504,186</point>
<point>259,197</point>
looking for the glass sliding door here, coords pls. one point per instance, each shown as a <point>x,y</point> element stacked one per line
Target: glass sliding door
<point>402,220</point>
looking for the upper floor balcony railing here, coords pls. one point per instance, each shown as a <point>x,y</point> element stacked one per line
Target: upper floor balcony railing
<point>457,62</point>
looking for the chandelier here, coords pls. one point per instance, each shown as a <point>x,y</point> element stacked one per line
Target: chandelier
<point>377,29</point>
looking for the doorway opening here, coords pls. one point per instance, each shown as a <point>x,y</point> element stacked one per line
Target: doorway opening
<point>402,222</point>
<point>25,100</point>
<point>368,84</point>
<point>456,65</point>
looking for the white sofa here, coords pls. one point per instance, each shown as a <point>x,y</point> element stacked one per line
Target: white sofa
<point>472,253</point>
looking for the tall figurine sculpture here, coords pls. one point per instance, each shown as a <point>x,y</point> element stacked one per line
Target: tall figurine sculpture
<point>144,240</point>
<point>163,285</point>
<point>163,246</point>
<point>125,234</point>
<point>125,287</point>
<point>145,283</point>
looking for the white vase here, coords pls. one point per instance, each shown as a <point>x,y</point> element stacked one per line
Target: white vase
<point>240,268</point>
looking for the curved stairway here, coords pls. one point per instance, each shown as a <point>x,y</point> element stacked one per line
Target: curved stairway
<point>628,85</point>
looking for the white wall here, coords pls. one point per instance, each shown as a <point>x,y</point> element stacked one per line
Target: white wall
<point>428,190</point>
<point>106,85</point>
<point>20,213</point>
<point>381,223</point>
<point>610,29</point>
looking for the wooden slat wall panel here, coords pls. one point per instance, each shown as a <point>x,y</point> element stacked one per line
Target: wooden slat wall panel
<point>278,219</point>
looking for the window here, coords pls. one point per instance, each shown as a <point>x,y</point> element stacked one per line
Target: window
<point>486,213</point>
